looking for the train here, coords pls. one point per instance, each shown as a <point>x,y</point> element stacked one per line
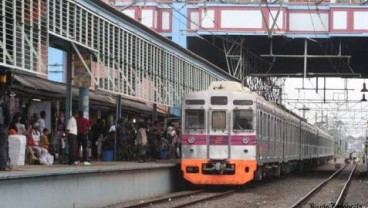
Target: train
<point>231,136</point>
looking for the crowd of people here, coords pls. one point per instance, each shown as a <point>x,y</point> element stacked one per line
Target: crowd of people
<point>128,140</point>
<point>76,141</point>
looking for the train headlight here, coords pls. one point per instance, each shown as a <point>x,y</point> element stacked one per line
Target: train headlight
<point>191,140</point>
<point>245,140</point>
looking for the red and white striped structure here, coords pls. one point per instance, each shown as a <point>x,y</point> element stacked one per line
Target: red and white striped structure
<point>306,18</point>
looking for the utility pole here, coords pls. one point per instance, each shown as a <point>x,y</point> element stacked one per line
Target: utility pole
<point>304,109</point>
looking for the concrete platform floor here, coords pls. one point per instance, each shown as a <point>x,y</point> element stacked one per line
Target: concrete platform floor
<point>32,171</point>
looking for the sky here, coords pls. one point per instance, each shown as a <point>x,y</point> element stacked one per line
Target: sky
<point>55,58</point>
<point>343,108</point>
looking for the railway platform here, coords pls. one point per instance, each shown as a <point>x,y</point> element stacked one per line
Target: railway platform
<point>98,185</point>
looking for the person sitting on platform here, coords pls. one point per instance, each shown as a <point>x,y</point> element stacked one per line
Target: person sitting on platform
<point>13,124</point>
<point>44,143</point>
<point>46,157</point>
<point>109,140</point>
<point>32,149</point>
<point>34,139</point>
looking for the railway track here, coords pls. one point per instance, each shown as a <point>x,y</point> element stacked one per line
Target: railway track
<point>215,196</point>
<point>319,188</point>
<point>182,199</point>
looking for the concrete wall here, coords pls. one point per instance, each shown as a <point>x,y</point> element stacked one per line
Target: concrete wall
<point>86,189</point>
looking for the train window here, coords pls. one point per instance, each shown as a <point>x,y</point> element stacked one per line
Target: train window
<point>218,120</point>
<point>194,119</point>
<point>219,100</point>
<point>243,102</point>
<point>243,120</point>
<point>194,102</point>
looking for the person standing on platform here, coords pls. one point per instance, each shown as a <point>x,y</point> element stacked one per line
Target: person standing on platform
<point>82,136</point>
<point>120,140</point>
<point>171,139</point>
<point>142,142</point>
<point>156,134</point>
<point>98,133</point>
<point>36,137</point>
<point>44,142</point>
<point>4,123</point>
<point>71,135</point>
<point>41,121</point>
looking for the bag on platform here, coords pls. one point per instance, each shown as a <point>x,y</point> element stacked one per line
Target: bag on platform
<point>47,159</point>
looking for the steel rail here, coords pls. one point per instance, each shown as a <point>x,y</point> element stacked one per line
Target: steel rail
<point>309,194</point>
<point>204,199</point>
<point>166,198</point>
<point>340,199</point>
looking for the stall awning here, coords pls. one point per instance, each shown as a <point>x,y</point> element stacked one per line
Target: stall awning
<point>36,87</point>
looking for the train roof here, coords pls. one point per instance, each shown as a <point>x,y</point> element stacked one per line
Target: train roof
<point>227,86</point>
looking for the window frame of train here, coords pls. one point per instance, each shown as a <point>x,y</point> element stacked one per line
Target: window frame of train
<point>242,102</point>
<point>195,102</point>
<point>251,122</point>
<point>219,100</point>
<point>203,116</point>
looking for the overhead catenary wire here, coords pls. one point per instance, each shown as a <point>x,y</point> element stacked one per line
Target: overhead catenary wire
<point>336,112</point>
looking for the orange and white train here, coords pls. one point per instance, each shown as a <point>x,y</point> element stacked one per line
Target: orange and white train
<point>231,136</point>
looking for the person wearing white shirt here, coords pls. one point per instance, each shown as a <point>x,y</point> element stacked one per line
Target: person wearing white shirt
<point>36,136</point>
<point>71,134</point>
<point>41,121</point>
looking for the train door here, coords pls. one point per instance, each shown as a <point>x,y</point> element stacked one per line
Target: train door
<point>218,144</point>
<point>272,142</point>
<point>264,142</point>
<point>259,133</point>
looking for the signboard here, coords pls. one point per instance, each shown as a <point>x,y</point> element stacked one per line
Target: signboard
<point>81,76</point>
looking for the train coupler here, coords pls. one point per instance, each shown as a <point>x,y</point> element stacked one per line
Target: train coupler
<point>218,168</point>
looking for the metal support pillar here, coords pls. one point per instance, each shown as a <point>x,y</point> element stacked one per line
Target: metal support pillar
<point>118,116</point>
<point>154,112</point>
<point>118,108</point>
<point>83,101</point>
<point>324,90</point>
<point>68,98</point>
<point>305,60</point>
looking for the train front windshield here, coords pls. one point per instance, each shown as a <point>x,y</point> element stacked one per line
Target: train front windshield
<point>218,120</point>
<point>194,119</point>
<point>243,120</point>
